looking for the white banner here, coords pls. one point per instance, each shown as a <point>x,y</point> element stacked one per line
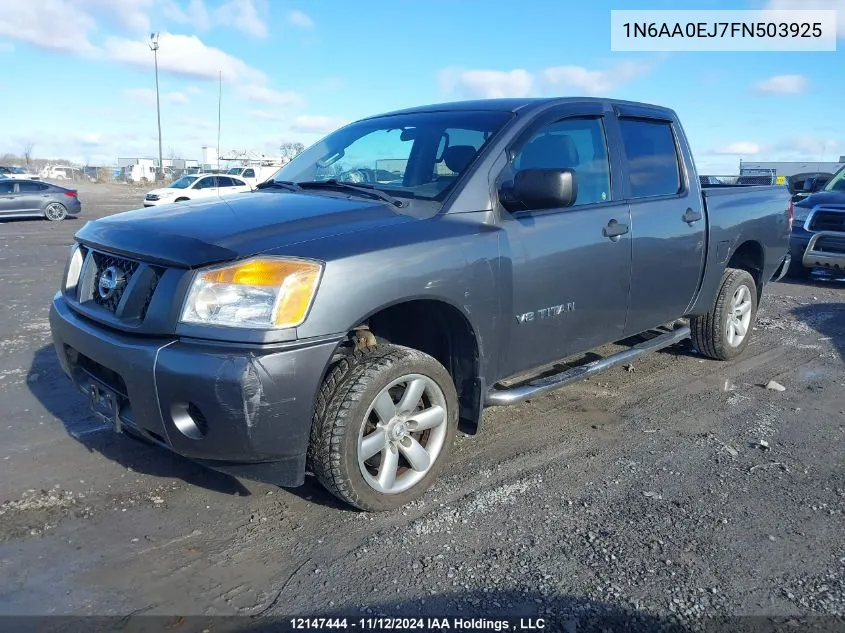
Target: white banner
<point>765,30</point>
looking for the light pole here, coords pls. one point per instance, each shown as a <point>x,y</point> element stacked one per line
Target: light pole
<point>154,49</point>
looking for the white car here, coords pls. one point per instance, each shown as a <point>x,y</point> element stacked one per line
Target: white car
<point>18,173</point>
<point>196,187</point>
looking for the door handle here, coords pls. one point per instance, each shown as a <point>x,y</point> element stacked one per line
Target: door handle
<point>691,216</point>
<point>614,230</point>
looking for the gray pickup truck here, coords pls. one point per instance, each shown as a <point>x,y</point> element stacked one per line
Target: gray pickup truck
<point>402,274</point>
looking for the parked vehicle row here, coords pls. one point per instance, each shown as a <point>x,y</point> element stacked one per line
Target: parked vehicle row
<point>342,326</point>
<point>32,198</point>
<point>818,237</point>
<point>17,173</point>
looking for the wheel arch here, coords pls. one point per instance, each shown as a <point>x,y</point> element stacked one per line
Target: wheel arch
<point>749,256</point>
<point>440,329</point>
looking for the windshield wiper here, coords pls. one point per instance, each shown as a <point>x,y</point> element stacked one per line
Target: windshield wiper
<point>366,190</point>
<point>279,184</point>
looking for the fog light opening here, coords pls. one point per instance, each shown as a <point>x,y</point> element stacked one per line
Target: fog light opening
<point>190,420</point>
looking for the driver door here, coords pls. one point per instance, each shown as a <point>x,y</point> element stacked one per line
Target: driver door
<point>571,275</point>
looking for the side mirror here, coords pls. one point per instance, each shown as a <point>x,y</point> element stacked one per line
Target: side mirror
<point>535,189</point>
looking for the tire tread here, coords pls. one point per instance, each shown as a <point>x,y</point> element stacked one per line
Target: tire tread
<point>707,330</point>
<point>341,391</point>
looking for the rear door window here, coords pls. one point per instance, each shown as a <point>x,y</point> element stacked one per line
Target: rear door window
<point>31,187</point>
<point>653,165</point>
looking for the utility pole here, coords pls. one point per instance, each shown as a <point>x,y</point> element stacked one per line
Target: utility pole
<point>219,106</point>
<point>154,49</point>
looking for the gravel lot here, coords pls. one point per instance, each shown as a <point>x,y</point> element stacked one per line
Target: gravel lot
<point>680,487</point>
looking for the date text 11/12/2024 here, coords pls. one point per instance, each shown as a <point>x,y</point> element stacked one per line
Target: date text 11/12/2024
<point>421,624</point>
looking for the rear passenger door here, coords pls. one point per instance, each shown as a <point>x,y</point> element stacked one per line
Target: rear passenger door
<point>667,217</point>
<point>31,196</point>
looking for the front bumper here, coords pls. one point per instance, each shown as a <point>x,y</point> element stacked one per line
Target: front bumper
<point>242,410</point>
<point>825,249</point>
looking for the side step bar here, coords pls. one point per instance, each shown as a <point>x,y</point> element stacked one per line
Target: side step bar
<point>500,397</point>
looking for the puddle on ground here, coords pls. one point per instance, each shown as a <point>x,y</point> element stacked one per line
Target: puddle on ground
<point>815,373</point>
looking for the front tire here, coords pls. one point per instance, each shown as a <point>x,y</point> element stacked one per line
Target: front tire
<point>723,333</point>
<point>384,425</point>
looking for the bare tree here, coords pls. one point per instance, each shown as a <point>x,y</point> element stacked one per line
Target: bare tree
<point>27,152</point>
<point>289,150</point>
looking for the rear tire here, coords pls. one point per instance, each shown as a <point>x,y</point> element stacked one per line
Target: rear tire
<point>55,212</point>
<point>383,428</point>
<point>723,333</point>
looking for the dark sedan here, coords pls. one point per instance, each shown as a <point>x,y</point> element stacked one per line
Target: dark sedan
<point>31,198</point>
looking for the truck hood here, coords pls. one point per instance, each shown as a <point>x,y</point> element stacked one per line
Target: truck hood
<point>823,197</point>
<point>203,232</point>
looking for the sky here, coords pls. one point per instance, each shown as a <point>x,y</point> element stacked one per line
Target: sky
<point>80,84</point>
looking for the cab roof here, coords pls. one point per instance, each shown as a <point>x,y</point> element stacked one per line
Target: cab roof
<point>514,105</point>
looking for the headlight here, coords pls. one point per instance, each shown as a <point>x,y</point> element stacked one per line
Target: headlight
<point>800,214</point>
<point>264,292</point>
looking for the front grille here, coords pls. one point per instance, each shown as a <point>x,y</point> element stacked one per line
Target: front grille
<point>117,285</point>
<point>149,296</point>
<point>824,220</point>
<point>109,296</point>
<point>832,245</point>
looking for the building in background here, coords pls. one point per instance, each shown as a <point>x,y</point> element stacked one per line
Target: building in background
<point>784,170</point>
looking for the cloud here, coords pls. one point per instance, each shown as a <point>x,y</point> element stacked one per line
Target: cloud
<point>240,14</point>
<point>489,84</point>
<point>263,94</point>
<point>740,148</point>
<point>300,19</point>
<point>811,147</point>
<point>195,14</point>
<point>809,5</point>
<point>783,84</point>
<point>580,80</point>
<point>50,24</point>
<point>147,96</point>
<point>185,55</point>
<point>243,15</point>
<point>129,15</point>
<point>313,124</point>
<point>486,84</point>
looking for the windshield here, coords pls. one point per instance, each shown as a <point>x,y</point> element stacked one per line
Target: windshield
<point>18,170</point>
<point>837,183</point>
<point>183,183</point>
<point>235,171</point>
<point>417,155</point>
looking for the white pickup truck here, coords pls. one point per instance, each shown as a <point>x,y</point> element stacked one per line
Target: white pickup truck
<point>254,174</point>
